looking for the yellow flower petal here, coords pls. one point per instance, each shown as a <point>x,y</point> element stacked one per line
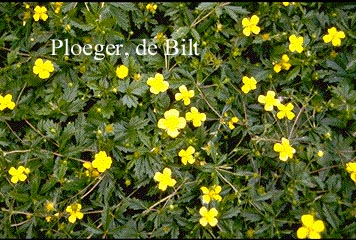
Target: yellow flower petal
<point>302,233</point>
<point>318,226</point>
<point>254,20</point>
<point>122,71</point>
<point>314,235</point>
<point>277,67</point>
<point>307,220</point>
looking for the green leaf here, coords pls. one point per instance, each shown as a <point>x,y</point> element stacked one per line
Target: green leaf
<point>83,27</point>
<point>195,34</point>
<point>9,38</point>
<point>206,6</point>
<point>333,65</point>
<point>234,11</point>
<point>20,197</point>
<point>12,56</point>
<point>92,229</point>
<point>293,74</point>
<point>181,32</point>
<point>332,219</point>
<point>129,101</point>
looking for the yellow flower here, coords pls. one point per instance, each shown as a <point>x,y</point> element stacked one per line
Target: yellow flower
<point>208,217</point>
<point>6,102</point>
<point>286,4</point>
<point>43,69</point>
<point>57,6</point>
<point>19,174</point>
<point>91,171</point>
<point>48,218</point>
<point>249,84</point>
<point>210,194</point>
<point>320,153</point>
<point>265,36</point>
<point>40,13</point>
<point>122,71</point>
<point>109,128</point>
<point>250,25</point>
<point>137,76</point>
<point>151,7</point>
<point>102,161</point>
<point>311,228</point>
<point>195,116</point>
<point>351,168</point>
<point>157,84</point>
<point>159,36</point>
<point>184,95</point>
<point>164,179</point>
<point>296,43</point>
<point>219,27</point>
<point>49,206</point>
<point>172,122</point>
<point>269,101</point>
<point>74,211</point>
<point>285,150</point>
<point>334,36</point>
<point>187,155</point>
<point>285,111</point>
<point>283,64</point>
<point>232,121</point>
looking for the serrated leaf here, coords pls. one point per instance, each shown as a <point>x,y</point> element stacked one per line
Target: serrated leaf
<point>195,34</point>
<point>181,32</point>
<point>330,121</point>
<point>330,217</point>
<point>123,19</point>
<point>129,100</point>
<point>206,6</point>
<point>127,6</point>
<point>11,56</point>
<point>233,11</point>
<point>48,185</point>
<point>335,66</point>
<point>232,212</point>
<point>20,197</point>
<point>251,216</point>
<point>67,6</point>
<point>35,184</point>
<point>41,37</point>
<point>137,204</point>
<point>293,74</point>
<point>92,230</point>
<point>70,93</point>
<point>138,88</point>
<point>144,139</point>
<point>10,38</point>
<point>83,27</point>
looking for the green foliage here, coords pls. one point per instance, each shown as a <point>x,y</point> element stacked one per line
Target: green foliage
<point>83,108</point>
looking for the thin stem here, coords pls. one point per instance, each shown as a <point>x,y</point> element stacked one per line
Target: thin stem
<point>96,184</point>
<point>163,199</point>
<point>13,132</point>
<point>17,151</point>
<point>295,122</point>
<point>233,187</point>
<point>207,102</point>
<point>196,21</point>
<point>37,131</point>
<point>20,223</point>
<point>19,96</point>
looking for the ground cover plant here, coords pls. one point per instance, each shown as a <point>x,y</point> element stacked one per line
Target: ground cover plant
<point>177,120</point>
